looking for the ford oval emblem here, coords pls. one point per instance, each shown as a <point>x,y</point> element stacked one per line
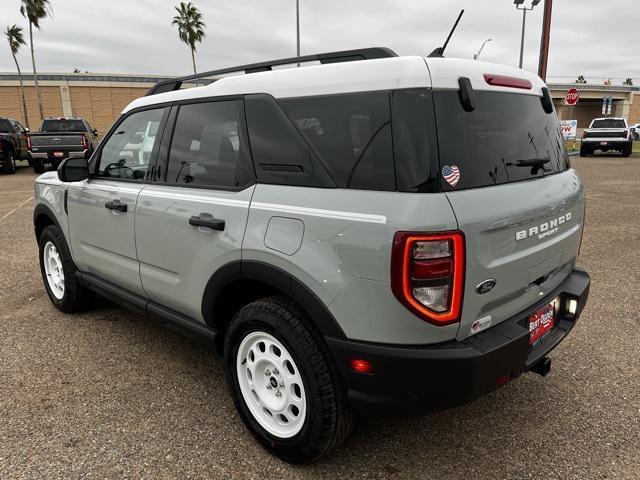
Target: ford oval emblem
<point>56,140</point>
<point>486,286</point>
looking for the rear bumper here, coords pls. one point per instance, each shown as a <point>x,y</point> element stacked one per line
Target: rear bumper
<point>440,376</point>
<point>49,157</point>
<point>610,142</point>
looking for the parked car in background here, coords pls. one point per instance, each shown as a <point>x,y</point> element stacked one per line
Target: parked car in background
<point>13,144</point>
<point>635,131</point>
<point>606,134</point>
<point>61,138</point>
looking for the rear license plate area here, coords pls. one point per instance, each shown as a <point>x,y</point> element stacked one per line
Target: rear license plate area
<point>541,323</point>
<point>58,154</point>
<point>603,143</point>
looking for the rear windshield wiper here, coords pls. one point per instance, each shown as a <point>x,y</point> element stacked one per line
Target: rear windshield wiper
<point>531,162</point>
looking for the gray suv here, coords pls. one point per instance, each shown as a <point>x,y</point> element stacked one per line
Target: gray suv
<point>364,233</point>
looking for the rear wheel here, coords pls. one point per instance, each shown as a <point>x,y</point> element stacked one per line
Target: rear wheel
<point>584,151</point>
<point>283,381</point>
<point>626,151</point>
<point>59,273</point>
<point>37,164</point>
<point>11,162</point>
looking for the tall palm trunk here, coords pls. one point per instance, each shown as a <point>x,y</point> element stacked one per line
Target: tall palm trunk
<point>24,103</point>
<point>35,73</point>
<point>193,59</point>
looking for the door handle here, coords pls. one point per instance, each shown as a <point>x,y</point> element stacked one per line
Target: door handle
<point>207,220</point>
<point>116,205</point>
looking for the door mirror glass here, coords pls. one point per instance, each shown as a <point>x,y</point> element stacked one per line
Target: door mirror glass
<point>73,170</point>
<point>95,132</point>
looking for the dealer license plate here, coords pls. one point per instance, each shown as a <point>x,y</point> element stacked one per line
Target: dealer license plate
<point>603,143</point>
<point>58,154</point>
<point>541,323</point>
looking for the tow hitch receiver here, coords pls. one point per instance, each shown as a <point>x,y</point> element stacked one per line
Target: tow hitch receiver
<point>542,367</point>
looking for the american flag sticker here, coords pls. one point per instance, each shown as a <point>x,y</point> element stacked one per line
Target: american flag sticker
<point>451,174</point>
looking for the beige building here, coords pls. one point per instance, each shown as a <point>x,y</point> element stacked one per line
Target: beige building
<point>100,98</point>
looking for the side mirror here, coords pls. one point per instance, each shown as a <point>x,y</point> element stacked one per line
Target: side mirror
<point>73,170</point>
<point>95,132</point>
<point>26,130</point>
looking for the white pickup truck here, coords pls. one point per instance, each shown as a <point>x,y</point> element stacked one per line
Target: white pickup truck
<point>606,134</point>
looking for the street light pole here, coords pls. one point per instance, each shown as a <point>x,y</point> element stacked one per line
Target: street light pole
<point>298,28</point>
<point>520,6</point>
<point>475,57</point>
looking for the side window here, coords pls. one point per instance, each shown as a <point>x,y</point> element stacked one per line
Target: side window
<point>280,153</point>
<point>352,134</point>
<point>127,152</point>
<point>209,147</point>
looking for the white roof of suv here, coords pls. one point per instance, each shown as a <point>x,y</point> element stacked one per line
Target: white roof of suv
<point>356,76</point>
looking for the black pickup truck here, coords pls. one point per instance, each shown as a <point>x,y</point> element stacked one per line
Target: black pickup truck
<point>13,144</point>
<point>61,138</point>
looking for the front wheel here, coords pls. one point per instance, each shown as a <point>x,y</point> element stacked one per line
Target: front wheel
<point>59,272</point>
<point>283,381</point>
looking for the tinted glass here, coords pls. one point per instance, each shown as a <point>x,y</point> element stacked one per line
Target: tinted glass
<point>280,153</point>
<point>608,123</point>
<point>352,135</point>
<point>63,126</point>
<point>5,126</point>
<point>506,138</point>
<point>209,146</point>
<point>127,152</point>
<point>415,141</point>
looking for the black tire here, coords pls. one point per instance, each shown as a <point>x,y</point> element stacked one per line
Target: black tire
<point>626,151</point>
<point>75,297</point>
<point>584,151</point>
<point>38,165</point>
<point>329,420</point>
<point>11,162</point>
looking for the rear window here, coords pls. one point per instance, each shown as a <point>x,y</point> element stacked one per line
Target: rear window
<point>5,126</point>
<point>608,123</point>
<point>63,126</point>
<point>507,138</point>
<point>352,135</point>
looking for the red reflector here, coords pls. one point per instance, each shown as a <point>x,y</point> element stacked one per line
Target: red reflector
<point>504,81</point>
<point>431,268</point>
<point>503,380</point>
<point>359,365</point>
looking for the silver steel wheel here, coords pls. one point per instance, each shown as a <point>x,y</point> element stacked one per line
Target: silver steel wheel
<point>53,269</point>
<point>271,384</point>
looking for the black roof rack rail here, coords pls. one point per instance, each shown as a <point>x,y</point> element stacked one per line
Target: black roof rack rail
<point>323,58</point>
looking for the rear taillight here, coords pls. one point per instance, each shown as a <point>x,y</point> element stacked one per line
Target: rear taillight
<point>584,134</point>
<point>427,274</point>
<point>28,143</point>
<point>625,133</point>
<point>85,142</point>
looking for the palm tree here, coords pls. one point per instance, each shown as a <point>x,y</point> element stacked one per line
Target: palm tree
<point>190,27</point>
<point>581,79</point>
<point>16,40</point>
<point>628,82</point>
<point>35,11</point>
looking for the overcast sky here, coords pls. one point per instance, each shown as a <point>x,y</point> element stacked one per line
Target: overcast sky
<point>593,38</point>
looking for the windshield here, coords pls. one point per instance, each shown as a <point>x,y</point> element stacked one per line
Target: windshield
<point>608,123</point>
<point>507,138</point>
<point>63,125</point>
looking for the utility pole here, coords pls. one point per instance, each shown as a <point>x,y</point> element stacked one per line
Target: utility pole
<point>477,55</point>
<point>544,42</point>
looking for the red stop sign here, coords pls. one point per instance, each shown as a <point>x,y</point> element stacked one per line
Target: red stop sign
<point>572,96</point>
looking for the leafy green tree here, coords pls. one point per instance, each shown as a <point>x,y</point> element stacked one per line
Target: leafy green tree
<point>628,82</point>
<point>190,27</point>
<point>35,11</point>
<point>16,40</point>
<point>581,79</point>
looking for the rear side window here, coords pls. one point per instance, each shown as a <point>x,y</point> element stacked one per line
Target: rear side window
<point>608,123</point>
<point>507,138</point>
<point>209,147</point>
<point>352,135</point>
<point>63,125</point>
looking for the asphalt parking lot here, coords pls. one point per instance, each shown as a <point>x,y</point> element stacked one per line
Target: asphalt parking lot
<point>108,394</point>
